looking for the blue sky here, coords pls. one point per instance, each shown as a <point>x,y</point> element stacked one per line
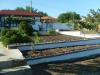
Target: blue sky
<point>54,7</point>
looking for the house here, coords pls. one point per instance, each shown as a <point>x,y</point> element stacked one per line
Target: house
<point>47,22</point>
<point>48,19</point>
<point>51,23</point>
<point>12,18</point>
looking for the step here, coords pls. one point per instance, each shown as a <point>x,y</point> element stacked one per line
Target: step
<point>6,62</point>
<point>21,70</point>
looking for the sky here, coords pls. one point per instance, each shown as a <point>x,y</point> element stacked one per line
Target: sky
<point>54,7</point>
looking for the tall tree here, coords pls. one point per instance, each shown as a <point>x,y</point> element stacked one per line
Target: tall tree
<point>68,17</point>
<point>93,16</point>
<point>20,8</point>
<point>42,13</point>
<point>27,8</point>
<point>30,9</point>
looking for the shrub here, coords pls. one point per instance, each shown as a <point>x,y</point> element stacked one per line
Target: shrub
<point>4,31</point>
<point>13,36</point>
<point>25,28</point>
<point>52,32</point>
<point>5,40</point>
<point>37,39</point>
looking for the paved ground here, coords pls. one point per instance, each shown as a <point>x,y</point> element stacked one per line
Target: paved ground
<point>85,67</point>
<point>10,63</point>
<point>14,54</point>
<point>80,34</point>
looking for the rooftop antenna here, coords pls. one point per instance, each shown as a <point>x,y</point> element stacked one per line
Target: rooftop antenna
<point>31,6</point>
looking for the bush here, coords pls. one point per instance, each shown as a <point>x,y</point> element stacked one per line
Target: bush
<point>52,32</point>
<point>37,39</point>
<point>13,36</point>
<point>25,28</point>
<point>4,31</point>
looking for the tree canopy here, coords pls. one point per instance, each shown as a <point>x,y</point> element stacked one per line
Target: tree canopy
<point>42,13</point>
<point>93,16</point>
<point>28,8</point>
<point>20,8</point>
<point>68,17</point>
<point>25,28</point>
<point>92,19</point>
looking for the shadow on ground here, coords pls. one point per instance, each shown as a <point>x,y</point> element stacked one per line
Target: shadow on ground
<point>65,69</point>
<point>40,69</point>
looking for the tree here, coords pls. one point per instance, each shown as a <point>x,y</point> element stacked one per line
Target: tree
<point>25,28</point>
<point>68,17</point>
<point>92,19</point>
<point>30,9</point>
<point>42,13</point>
<point>20,8</point>
<point>27,8</point>
<point>93,16</point>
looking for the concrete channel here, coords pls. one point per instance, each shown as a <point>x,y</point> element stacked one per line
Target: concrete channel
<point>50,45</point>
<point>64,57</point>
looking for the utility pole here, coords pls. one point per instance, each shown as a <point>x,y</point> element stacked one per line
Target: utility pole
<point>73,18</point>
<point>31,6</point>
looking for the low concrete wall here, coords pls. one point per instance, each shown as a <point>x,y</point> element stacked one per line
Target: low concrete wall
<point>42,46</point>
<point>80,34</point>
<point>21,70</point>
<point>64,57</point>
<point>12,61</point>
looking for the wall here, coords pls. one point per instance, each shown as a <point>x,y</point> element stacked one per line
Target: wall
<point>43,46</point>
<point>12,62</point>
<point>66,44</point>
<point>55,26</point>
<point>80,34</point>
<point>62,26</point>
<point>64,57</point>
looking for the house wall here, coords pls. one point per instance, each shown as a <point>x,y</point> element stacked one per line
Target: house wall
<point>0,21</point>
<point>37,20</point>
<point>37,24</point>
<point>62,26</point>
<point>15,24</point>
<point>55,26</point>
<point>47,26</point>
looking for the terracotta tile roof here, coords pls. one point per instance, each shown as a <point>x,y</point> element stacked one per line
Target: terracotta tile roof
<point>48,18</point>
<point>18,13</point>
